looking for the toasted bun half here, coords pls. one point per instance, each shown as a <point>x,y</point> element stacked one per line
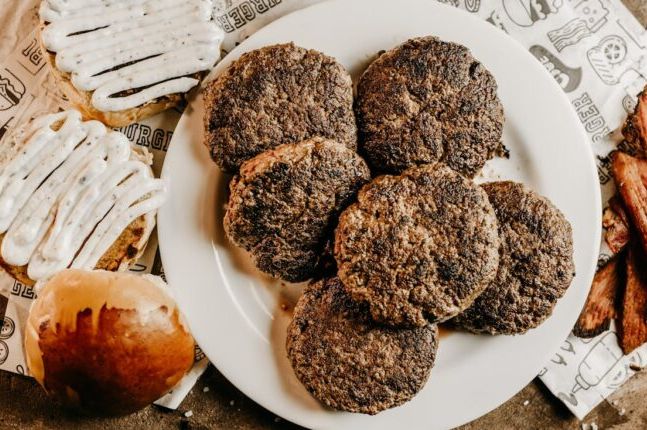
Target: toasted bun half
<point>106,343</point>
<point>82,100</point>
<point>128,246</point>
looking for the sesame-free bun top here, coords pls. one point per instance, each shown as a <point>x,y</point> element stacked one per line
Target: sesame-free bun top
<point>106,343</point>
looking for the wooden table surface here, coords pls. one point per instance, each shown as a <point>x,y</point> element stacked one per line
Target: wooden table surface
<point>216,403</point>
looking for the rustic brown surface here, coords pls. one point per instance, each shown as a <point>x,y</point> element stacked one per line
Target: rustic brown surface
<point>23,404</point>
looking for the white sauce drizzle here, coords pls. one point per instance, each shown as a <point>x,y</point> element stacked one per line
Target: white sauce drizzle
<point>165,40</point>
<point>67,195</point>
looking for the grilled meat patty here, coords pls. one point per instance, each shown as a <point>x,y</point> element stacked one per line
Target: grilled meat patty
<point>275,95</point>
<point>284,204</point>
<point>535,265</point>
<point>418,247</point>
<point>349,362</point>
<point>428,100</point>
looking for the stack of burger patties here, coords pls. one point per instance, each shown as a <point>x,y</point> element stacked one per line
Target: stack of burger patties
<point>372,198</point>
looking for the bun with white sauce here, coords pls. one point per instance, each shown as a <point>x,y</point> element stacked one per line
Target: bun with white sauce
<point>125,60</point>
<point>73,194</point>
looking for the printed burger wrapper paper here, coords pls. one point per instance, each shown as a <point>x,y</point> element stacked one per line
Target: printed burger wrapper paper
<point>594,49</point>
<point>27,89</point>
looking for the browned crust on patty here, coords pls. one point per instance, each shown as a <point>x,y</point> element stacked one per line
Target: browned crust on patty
<point>284,204</point>
<point>275,95</point>
<point>428,100</point>
<point>417,247</point>
<point>122,253</point>
<point>350,363</point>
<point>535,265</point>
<point>82,100</point>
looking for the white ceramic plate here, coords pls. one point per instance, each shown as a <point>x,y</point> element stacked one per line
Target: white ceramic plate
<point>235,313</point>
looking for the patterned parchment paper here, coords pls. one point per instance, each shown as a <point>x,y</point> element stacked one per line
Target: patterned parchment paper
<point>594,49</point>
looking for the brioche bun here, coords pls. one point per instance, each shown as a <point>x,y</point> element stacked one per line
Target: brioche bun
<point>106,343</point>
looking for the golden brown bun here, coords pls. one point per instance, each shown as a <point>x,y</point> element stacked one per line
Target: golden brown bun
<point>82,100</point>
<point>128,247</point>
<point>106,343</point>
